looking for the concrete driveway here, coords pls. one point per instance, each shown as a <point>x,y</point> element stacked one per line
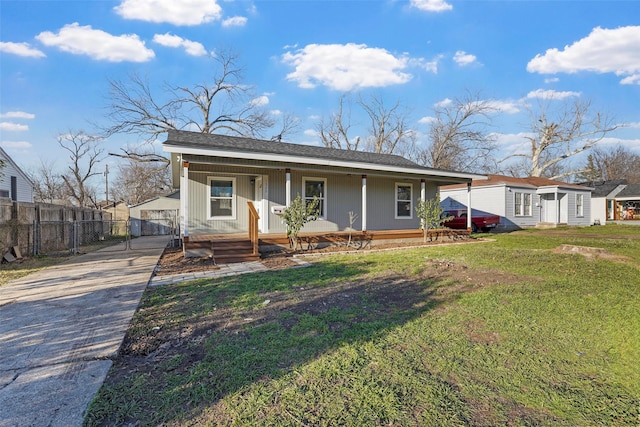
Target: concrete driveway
<point>61,327</point>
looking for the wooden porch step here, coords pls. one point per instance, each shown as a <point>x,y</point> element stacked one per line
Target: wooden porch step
<point>223,251</point>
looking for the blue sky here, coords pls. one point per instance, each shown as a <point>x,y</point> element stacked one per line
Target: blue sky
<point>56,58</point>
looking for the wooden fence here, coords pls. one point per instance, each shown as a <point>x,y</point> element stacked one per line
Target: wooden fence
<point>37,228</point>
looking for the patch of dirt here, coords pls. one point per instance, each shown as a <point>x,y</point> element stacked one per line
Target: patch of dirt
<point>173,261</point>
<point>590,252</point>
<point>167,345</point>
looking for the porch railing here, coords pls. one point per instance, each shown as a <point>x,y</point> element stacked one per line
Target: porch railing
<point>253,227</point>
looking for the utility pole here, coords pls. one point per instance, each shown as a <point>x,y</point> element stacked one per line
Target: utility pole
<point>106,180</point>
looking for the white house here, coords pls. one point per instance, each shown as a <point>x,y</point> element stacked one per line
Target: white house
<point>230,185</point>
<point>157,216</point>
<point>14,183</point>
<point>603,205</point>
<point>523,202</point>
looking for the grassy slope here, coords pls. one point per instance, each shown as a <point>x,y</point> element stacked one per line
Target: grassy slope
<point>558,347</point>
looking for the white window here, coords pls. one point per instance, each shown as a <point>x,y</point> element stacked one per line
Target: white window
<point>222,197</point>
<point>579,205</point>
<point>315,187</point>
<point>404,201</point>
<point>522,204</point>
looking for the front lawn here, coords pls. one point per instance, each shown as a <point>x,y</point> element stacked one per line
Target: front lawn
<point>510,332</point>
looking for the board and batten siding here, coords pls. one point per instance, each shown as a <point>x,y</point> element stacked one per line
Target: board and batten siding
<point>381,203</point>
<point>343,194</point>
<point>199,221</point>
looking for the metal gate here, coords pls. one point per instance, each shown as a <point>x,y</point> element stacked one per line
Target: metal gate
<point>160,222</point>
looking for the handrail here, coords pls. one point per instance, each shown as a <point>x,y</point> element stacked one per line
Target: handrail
<point>253,227</point>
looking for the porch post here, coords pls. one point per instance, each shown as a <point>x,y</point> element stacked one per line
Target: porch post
<point>469,205</point>
<point>184,201</point>
<point>557,201</point>
<point>288,187</point>
<point>423,190</point>
<point>364,202</point>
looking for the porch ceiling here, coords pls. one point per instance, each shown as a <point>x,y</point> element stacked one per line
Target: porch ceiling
<point>434,175</point>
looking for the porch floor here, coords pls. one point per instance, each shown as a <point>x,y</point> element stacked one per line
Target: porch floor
<point>368,238</point>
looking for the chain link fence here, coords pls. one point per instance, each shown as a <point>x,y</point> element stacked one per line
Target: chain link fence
<point>58,237</point>
<point>40,229</point>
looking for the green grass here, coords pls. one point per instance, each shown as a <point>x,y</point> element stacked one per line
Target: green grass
<point>16,270</point>
<point>379,339</point>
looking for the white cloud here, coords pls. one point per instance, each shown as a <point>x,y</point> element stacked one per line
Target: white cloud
<point>511,143</point>
<point>602,51</point>
<point>171,40</point>
<point>17,115</point>
<point>275,112</point>
<point>431,5</point>
<point>509,107</point>
<point>427,120</point>
<point>631,80</point>
<point>234,21</point>
<point>310,132</point>
<point>552,80</point>
<point>346,67</point>
<point>16,144</point>
<point>21,49</point>
<point>551,94</point>
<point>632,125</point>
<point>631,144</point>
<point>97,44</point>
<point>430,66</point>
<point>445,102</point>
<point>260,101</point>
<point>13,127</point>
<point>463,58</point>
<point>176,12</point>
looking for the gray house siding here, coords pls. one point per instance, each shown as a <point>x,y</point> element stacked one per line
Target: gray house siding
<point>258,171</point>
<point>14,183</point>
<point>496,200</point>
<point>343,194</point>
<point>572,217</point>
<point>199,221</point>
<point>512,221</point>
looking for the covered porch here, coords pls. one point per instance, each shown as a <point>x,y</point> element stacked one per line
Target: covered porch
<point>236,185</point>
<point>251,246</point>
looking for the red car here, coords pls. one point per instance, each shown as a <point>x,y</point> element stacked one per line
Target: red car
<point>484,222</point>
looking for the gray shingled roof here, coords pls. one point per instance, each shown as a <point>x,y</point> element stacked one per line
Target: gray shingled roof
<point>603,188</point>
<point>631,190</point>
<point>235,143</point>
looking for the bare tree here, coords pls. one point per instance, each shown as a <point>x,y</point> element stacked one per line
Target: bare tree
<point>560,135</point>
<point>459,137</point>
<point>48,185</point>
<point>288,124</point>
<point>138,181</point>
<point>224,105</point>
<point>389,132</point>
<point>609,164</point>
<point>334,132</point>
<point>84,155</point>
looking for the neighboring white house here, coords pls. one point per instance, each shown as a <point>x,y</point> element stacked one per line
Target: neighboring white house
<point>523,202</point>
<point>603,205</point>
<point>157,216</point>
<point>14,183</point>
